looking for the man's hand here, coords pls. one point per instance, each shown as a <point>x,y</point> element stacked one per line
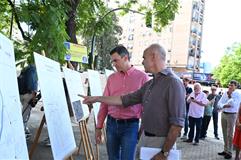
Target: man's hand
<point>195,101</point>
<point>89,99</point>
<point>110,100</point>
<point>227,106</point>
<point>98,135</point>
<point>159,156</point>
<point>219,109</point>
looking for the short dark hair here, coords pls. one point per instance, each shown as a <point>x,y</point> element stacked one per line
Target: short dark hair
<point>186,79</point>
<point>233,82</point>
<point>205,91</point>
<point>121,50</point>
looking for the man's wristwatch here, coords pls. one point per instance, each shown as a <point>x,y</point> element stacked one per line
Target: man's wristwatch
<point>165,153</point>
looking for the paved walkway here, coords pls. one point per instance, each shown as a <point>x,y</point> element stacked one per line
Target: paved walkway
<point>206,150</point>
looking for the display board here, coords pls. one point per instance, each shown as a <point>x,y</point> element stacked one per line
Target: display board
<point>95,88</point>
<point>147,153</point>
<point>108,73</point>
<point>12,137</point>
<point>55,107</point>
<point>75,88</point>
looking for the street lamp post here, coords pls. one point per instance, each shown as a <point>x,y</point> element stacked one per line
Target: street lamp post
<point>94,34</point>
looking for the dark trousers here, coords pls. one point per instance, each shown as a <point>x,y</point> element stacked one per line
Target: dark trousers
<point>194,122</point>
<point>215,123</point>
<point>205,123</point>
<point>186,125</point>
<point>121,139</point>
<point>186,122</point>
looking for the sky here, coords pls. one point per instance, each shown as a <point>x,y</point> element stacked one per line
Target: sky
<point>221,28</point>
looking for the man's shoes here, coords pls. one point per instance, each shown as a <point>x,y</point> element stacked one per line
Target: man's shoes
<point>188,141</point>
<point>222,153</point>
<point>202,138</point>
<point>228,156</point>
<point>184,137</point>
<point>28,137</point>
<point>217,137</point>
<point>27,131</point>
<point>46,142</point>
<point>196,143</point>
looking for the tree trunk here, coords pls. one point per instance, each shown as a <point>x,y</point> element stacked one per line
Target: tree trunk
<point>71,25</point>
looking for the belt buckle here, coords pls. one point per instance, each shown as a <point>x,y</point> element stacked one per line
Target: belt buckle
<point>119,120</point>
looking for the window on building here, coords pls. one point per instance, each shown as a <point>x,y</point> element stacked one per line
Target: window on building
<point>131,37</point>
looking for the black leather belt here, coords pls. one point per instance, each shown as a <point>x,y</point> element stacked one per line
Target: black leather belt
<point>131,120</point>
<point>149,134</point>
<point>229,112</point>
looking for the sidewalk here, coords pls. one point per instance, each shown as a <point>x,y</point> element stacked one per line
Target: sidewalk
<point>206,150</point>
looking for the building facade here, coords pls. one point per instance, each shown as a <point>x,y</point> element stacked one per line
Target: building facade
<point>182,38</point>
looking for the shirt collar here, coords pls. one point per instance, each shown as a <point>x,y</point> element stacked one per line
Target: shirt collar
<point>129,71</point>
<point>165,72</point>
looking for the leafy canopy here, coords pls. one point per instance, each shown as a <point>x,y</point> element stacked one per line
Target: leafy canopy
<point>230,66</point>
<point>52,22</point>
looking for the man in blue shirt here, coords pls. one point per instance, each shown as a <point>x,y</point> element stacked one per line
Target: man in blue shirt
<point>28,98</point>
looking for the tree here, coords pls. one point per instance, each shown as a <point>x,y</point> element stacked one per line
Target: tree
<point>229,67</point>
<point>51,22</point>
<point>104,43</point>
<point>5,14</point>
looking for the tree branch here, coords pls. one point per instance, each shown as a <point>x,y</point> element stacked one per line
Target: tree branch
<point>17,21</point>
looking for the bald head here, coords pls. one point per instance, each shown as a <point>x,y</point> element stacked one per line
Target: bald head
<point>197,87</point>
<point>158,50</point>
<point>154,58</point>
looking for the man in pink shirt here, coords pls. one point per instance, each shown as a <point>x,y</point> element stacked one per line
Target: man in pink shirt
<point>122,123</point>
<point>198,100</point>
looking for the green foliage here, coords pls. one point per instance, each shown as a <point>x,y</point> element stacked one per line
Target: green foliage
<point>161,11</point>
<point>90,21</point>
<point>148,19</point>
<point>164,12</point>
<point>230,66</point>
<point>106,42</point>
<point>46,21</point>
<point>5,17</point>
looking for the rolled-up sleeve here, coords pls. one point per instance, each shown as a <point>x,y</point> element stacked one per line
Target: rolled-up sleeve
<point>176,103</point>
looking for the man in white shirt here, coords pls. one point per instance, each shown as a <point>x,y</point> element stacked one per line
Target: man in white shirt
<point>229,104</point>
<point>198,100</point>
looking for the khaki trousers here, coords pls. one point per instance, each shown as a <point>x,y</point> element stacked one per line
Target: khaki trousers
<point>228,122</point>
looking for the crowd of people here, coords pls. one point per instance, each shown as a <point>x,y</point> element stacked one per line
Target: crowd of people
<point>168,105</point>
<point>202,106</point>
<point>151,112</point>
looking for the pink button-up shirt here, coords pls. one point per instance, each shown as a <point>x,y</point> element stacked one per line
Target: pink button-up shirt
<point>121,83</point>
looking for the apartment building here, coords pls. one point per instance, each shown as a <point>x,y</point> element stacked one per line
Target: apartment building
<point>182,38</point>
